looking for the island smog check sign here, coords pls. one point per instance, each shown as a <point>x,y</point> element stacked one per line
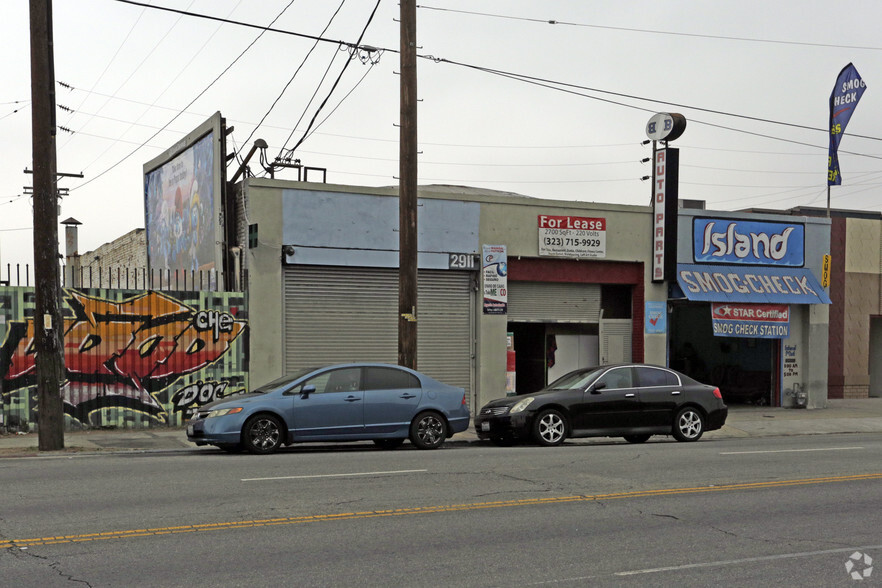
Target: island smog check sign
<point>572,236</point>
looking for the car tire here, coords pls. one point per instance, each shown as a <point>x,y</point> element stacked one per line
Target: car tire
<point>688,424</point>
<point>428,430</point>
<point>388,443</point>
<point>262,434</point>
<point>637,438</point>
<point>550,428</point>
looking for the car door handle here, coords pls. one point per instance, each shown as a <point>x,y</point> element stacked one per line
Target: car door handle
<point>407,396</point>
<point>630,395</point>
<point>352,399</point>
<point>675,393</point>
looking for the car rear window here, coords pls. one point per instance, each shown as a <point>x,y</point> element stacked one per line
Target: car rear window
<point>381,378</point>
<point>656,377</point>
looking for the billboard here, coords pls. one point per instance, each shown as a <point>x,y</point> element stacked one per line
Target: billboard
<point>183,196</point>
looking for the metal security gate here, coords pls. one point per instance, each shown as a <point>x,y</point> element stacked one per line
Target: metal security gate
<point>553,302</point>
<point>341,314</point>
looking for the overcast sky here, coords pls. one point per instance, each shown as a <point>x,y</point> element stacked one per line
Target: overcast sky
<point>133,80</point>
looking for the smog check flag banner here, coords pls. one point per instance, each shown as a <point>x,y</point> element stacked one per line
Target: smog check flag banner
<point>846,94</point>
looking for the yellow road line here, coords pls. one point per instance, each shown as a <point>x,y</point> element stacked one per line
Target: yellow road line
<point>130,533</point>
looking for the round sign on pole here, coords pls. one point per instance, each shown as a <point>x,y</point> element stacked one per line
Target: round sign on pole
<point>665,126</point>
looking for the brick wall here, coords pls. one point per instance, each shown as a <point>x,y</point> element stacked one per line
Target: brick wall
<point>112,264</point>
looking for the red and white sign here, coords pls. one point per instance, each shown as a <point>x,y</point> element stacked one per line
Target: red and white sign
<point>572,236</point>
<point>658,202</point>
<point>764,313</point>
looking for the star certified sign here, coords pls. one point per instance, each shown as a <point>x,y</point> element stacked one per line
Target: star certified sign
<point>763,321</point>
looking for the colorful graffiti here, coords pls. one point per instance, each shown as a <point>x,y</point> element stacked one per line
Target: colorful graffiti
<point>132,359</point>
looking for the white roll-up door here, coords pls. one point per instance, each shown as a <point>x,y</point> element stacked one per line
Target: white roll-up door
<point>342,314</point>
<point>615,341</point>
<point>553,302</point>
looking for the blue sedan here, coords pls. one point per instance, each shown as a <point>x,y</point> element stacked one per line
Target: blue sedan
<point>386,404</point>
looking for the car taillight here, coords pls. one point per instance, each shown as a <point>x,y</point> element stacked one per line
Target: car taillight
<point>464,403</point>
<point>717,393</point>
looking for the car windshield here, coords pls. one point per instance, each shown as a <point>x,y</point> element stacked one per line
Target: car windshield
<point>282,382</point>
<point>575,380</point>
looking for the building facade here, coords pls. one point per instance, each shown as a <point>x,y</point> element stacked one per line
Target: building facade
<point>322,264</point>
<point>749,312</point>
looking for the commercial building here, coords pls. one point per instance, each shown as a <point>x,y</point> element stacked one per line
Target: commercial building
<point>322,266</point>
<point>749,312</point>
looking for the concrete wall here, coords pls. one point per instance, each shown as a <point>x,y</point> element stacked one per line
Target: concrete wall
<point>264,264</point>
<point>512,221</point>
<point>863,260</point>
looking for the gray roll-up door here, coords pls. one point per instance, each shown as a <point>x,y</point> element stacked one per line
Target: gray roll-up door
<point>553,302</point>
<point>342,314</point>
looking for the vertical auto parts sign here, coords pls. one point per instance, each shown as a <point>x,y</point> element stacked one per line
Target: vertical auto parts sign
<point>495,271</point>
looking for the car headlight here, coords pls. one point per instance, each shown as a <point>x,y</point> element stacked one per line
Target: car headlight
<point>223,412</point>
<point>522,405</point>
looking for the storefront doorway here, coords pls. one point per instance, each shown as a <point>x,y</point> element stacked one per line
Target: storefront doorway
<point>745,369</point>
<point>546,351</point>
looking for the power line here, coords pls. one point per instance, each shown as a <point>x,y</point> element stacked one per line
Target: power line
<point>550,84</point>
<point>174,118</point>
<point>649,31</point>
<point>294,75</point>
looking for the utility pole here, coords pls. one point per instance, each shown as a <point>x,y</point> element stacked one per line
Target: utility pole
<point>407,192</point>
<point>48,327</point>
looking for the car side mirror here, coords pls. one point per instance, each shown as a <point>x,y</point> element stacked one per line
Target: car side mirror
<point>307,390</point>
<point>596,388</point>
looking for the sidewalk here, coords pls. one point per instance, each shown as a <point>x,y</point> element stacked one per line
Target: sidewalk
<point>840,416</point>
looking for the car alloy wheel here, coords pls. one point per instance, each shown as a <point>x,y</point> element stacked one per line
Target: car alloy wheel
<point>262,434</point>
<point>688,425</point>
<point>428,431</point>
<point>550,428</point>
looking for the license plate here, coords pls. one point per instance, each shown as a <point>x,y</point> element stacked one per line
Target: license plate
<point>485,426</point>
<point>190,430</point>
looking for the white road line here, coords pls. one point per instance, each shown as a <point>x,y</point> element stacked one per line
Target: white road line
<point>790,450</point>
<point>711,564</point>
<point>335,475</point>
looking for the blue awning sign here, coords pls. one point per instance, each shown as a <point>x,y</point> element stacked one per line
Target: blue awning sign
<point>781,285</point>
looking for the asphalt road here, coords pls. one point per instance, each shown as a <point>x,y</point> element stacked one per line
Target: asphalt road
<point>792,511</point>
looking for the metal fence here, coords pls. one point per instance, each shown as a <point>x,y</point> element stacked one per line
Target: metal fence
<point>121,278</point>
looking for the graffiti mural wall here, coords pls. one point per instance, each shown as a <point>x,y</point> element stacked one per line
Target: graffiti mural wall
<point>133,359</point>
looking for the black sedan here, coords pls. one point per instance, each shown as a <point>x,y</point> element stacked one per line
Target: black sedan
<point>634,401</point>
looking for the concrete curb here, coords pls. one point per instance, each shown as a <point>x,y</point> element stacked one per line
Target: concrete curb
<point>841,416</point>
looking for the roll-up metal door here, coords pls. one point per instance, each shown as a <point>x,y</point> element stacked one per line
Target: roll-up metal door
<point>445,331</point>
<point>342,314</point>
<point>553,302</point>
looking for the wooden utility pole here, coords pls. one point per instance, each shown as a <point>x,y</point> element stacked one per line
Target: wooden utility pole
<point>47,317</point>
<point>407,192</point>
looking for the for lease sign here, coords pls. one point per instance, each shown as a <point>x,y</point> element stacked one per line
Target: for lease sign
<point>572,236</point>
